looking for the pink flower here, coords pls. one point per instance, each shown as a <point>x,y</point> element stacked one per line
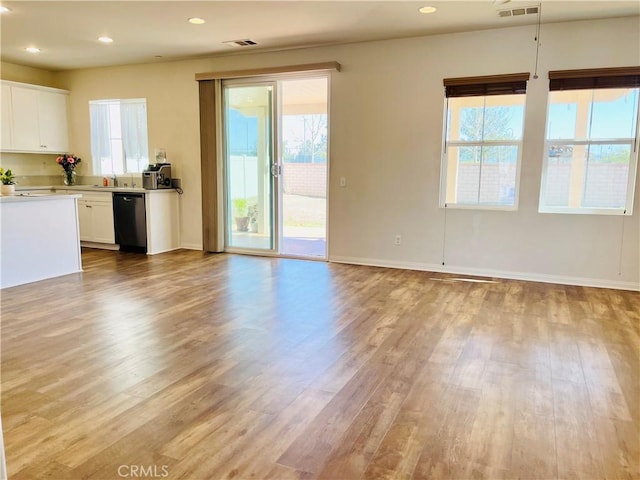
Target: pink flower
<point>71,160</point>
<point>59,159</point>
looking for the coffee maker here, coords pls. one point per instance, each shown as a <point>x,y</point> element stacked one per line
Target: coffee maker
<point>157,176</point>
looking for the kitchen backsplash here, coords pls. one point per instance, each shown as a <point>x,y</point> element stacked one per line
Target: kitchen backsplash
<point>30,163</point>
<point>43,180</point>
<point>34,169</point>
<point>125,180</point>
<point>38,180</point>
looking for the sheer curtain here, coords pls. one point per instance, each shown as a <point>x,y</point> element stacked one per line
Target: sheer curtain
<point>100,137</point>
<point>119,141</point>
<point>134,135</point>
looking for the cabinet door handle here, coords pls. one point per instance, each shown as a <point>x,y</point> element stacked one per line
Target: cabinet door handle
<point>88,206</point>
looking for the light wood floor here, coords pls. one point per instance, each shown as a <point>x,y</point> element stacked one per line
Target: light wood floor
<point>200,366</point>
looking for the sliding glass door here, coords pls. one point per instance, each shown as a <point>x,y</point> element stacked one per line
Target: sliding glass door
<point>276,137</point>
<point>303,155</point>
<point>249,153</point>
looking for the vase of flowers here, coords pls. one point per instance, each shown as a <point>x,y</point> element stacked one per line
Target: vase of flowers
<point>69,164</point>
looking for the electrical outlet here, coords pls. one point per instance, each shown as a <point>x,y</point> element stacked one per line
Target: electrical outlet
<point>343,181</point>
<point>398,239</point>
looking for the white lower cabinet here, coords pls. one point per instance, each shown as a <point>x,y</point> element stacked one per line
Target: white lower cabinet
<point>102,222</point>
<point>163,222</point>
<point>84,220</point>
<point>95,216</point>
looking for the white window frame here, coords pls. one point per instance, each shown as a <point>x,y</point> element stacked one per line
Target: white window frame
<point>488,143</point>
<point>633,164</point>
<point>96,162</point>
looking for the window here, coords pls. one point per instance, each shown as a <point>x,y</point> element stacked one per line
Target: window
<point>483,140</point>
<point>119,136</point>
<point>591,146</point>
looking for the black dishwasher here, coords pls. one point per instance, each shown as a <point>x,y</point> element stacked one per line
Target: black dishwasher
<point>130,221</point>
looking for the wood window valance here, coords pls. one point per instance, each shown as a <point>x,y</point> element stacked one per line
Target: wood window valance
<point>258,72</point>
<point>620,77</point>
<point>512,83</point>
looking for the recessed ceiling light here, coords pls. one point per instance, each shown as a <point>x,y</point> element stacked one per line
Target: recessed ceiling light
<point>4,9</point>
<point>196,20</point>
<point>427,9</point>
<point>32,49</point>
<point>105,39</point>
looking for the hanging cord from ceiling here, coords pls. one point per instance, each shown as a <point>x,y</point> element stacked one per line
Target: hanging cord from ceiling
<point>620,260</point>
<point>537,39</point>
<point>444,234</point>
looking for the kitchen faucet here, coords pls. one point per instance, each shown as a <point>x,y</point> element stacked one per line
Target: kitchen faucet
<point>115,180</point>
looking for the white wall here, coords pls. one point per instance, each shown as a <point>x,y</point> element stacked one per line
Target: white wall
<point>386,135</point>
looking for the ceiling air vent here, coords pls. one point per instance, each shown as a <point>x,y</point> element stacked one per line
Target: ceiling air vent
<point>516,12</point>
<point>240,43</point>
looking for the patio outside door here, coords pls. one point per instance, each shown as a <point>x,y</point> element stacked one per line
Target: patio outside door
<point>303,140</point>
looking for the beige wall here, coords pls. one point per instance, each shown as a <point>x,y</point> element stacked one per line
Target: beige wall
<point>20,73</point>
<point>172,122</point>
<point>386,135</point>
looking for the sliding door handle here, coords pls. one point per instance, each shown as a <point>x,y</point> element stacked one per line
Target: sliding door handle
<point>276,170</point>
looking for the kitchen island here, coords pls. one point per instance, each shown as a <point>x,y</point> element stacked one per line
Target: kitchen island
<point>39,238</point>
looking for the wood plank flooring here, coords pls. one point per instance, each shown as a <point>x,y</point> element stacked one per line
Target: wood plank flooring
<point>185,365</point>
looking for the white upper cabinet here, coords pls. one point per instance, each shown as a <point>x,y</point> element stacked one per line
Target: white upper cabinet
<point>52,121</point>
<point>37,119</point>
<point>5,99</point>
<point>24,103</point>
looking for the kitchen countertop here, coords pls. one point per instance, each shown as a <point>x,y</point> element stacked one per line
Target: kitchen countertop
<point>97,188</point>
<point>35,196</point>
<point>93,188</point>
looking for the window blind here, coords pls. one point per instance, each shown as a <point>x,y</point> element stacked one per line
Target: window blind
<point>622,77</point>
<point>508,84</point>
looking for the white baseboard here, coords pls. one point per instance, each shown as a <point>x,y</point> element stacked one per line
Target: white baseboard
<point>526,276</point>
<point>102,246</point>
<point>165,250</point>
<point>191,246</point>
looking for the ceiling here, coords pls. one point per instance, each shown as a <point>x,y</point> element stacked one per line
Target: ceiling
<point>154,31</point>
